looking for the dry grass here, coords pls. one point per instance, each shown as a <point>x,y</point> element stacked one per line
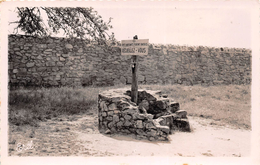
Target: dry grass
<point>228,104</point>
<point>30,106</point>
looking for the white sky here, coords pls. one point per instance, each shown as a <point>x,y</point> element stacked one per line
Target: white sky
<point>213,24</point>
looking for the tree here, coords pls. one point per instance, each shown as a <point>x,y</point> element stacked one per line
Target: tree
<point>84,23</point>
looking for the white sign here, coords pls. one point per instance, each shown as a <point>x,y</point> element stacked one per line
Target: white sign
<point>134,47</point>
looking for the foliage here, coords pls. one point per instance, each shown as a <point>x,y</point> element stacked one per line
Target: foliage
<point>84,23</point>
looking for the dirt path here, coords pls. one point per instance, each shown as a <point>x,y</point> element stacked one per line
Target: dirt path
<point>78,136</point>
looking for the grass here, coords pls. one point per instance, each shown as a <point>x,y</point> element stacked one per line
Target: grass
<point>30,106</point>
<point>229,104</point>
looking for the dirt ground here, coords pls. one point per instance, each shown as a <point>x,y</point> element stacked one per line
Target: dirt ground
<point>78,135</point>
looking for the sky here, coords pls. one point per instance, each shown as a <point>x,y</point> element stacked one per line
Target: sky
<point>213,24</point>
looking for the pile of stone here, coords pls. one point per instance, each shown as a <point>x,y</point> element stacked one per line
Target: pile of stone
<point>154,116</point>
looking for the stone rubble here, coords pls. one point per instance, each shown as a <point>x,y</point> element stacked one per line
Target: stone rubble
<point>154,118</point>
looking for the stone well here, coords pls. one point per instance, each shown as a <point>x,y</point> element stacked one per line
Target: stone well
<point>154,116</point>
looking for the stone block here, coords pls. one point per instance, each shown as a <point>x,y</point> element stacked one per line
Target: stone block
<point>15,71</point>
<point>127,117</point>
<point>144,104</point>
<point>103,106</point>
<point>182,125</point>
<point>112,107</point>
<point>152,133</point>
<point>150,125</point>
<point>140,132</point>
<point>127,123</point>
<point>119,124</point>
<point>161,104</point>
<point>181,113</point>
<point>62,59</point>
<point>30,64</point>
<point>139,124</point>
<point>115,118</point>
<point>110,113</point>
<point>68,46</point>
<point>174,107</point>
<point>110,125</point>
<point>50,63</point>
<point>104,114</point>
<point>109,118</point>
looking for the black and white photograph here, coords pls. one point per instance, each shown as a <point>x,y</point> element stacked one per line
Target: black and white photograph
<point>130,82</point>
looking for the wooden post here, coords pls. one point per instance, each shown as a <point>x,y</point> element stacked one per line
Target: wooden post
<point>134,48</point>
<point>134,88</point>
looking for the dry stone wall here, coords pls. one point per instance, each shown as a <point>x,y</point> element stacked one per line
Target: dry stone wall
<point>72,62</point>
<point>154,116</point>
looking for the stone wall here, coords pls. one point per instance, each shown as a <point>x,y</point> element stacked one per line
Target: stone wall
<point>72,62</point>
<point>154,116</point>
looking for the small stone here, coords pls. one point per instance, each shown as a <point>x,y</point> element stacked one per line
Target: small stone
<point>151,138</point>
<point>113,130</point>
<point>15,70</point>
<point>110,113</point>
<point>119,124</point>
<point>165,129</point>
<point>130,111</point>
<point>174,107</point>
<point>30,64</point>
<point>112,107</point>
<point>116,112</point>
<point>115,118</point>
<point>151,133</point>
<point>161,104</point>
<point>181,113</point>
<point>65,55</point>
<point>110,125</point>
<point>39,57</point>
<point>144,104</point>
<point>80,50</point>
<point>126,131</point>
<point>48,50</point>
<point>62,59</point>
<point>103,106</point>
<point>164,95</point>
<point>107,131</point>
<point>139,124</point>
<point>109,118</point>
<point>127,123</point>
<point>104,114</point>
<point>127,117</point>
<point>68,46</point>
<point>149,125</point>
<point>140,131</point>
<point>60,64</point>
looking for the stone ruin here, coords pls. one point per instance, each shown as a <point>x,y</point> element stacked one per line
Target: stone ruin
<point>154,117</point>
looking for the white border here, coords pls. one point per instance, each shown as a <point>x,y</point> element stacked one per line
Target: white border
<point>255,141</point>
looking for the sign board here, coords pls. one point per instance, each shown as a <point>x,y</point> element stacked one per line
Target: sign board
<point>134,47</point>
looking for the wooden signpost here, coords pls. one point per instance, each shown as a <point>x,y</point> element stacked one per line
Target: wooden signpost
<point>135,48</point>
